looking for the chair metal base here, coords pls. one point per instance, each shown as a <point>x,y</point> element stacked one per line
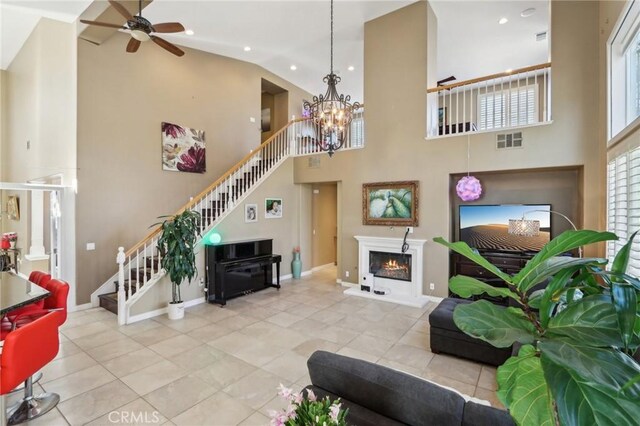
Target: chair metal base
<point>32,408</point>
<point>35,379</point>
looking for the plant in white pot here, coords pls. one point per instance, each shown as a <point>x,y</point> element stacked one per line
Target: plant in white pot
<point>176,246</point>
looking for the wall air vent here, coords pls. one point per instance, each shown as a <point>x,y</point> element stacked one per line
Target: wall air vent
<point>509,140</point>
<point>541,36</point>
<point>314,162</point>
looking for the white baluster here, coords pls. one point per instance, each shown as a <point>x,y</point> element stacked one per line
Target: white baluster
<point>144,267</point>
<point>129,283</point>
<point>137,271</point>
<point>122,298</point>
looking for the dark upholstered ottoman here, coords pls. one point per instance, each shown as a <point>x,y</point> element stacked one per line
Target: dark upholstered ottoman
<point>448,339</point>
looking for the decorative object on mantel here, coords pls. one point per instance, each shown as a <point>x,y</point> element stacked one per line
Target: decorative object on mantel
<point>309,410</point>
<point>176,248</point>
<point>296,263</point>
<point>469,187</point>
<point>390,203</point>
<point>332,112</point>
<point>141,29</point>
<point>13,207</point>
<point>4,243</point>
<point>273,208</point>
<point>183,149</point>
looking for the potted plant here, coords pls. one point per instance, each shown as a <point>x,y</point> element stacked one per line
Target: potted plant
<point>176,247</point>
<point>578,334</point>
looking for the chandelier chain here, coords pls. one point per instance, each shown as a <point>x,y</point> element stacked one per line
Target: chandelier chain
<point>331,36</point>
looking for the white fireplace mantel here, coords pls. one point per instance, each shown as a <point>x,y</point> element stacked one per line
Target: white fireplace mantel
<point>402,292</point>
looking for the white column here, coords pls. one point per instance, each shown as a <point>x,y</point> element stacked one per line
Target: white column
<point>36,250</point>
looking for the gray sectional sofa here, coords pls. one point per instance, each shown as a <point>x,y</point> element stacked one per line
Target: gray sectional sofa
<point>379,396</point>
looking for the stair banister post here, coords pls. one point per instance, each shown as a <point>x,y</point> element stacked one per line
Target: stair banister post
<point>120,258</point>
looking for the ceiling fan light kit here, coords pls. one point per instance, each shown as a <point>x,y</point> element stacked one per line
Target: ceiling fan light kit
<point>141,29</point>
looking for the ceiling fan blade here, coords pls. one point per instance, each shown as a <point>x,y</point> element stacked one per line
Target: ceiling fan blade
<point>103,24</point>
<point>121,9</point>
<point>132,46</point>
<point>167,46</point>
<point>168,27</point>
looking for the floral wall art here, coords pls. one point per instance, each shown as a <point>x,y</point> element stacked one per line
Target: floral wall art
<point>183,149</point>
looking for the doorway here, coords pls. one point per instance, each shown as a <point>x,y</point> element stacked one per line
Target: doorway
<point>324,223</point>
<point>274,109</point>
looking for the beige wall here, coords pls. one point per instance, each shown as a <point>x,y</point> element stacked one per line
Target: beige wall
<point>325,225</point>
<point>285,232</point>
<point>40,102</point>
<point>122,99</point>
<point>396,149</point>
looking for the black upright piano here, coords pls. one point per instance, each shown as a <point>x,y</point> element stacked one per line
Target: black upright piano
<point>240,267</point>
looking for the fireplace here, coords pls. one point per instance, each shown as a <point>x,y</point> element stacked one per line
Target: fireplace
<point>395,266</point>
<point>387,274</point>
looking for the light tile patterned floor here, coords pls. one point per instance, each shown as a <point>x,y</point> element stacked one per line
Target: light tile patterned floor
<point>221,366</point>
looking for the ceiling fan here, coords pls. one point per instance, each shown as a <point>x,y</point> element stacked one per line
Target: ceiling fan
<point>141,29</point>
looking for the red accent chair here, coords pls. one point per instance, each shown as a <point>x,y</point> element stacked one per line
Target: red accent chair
<point>25,351</point>
<point>56,301</point>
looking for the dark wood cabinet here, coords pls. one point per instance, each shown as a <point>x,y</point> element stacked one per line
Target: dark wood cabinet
<point>510,263</point>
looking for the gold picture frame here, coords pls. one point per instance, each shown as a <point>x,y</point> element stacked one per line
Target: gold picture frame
<point>390,203</point>
<point>13,207</point>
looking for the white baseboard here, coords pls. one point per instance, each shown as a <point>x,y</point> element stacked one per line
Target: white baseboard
<point>339,280</point>
<point>83,307</point>
<point>321,267</point>
<point>348,284</point>
<point>147,315</point>
<point>162,311</point>
<point>290,276</point>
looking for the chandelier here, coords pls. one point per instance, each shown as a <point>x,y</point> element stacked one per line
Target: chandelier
<point>331,112</point>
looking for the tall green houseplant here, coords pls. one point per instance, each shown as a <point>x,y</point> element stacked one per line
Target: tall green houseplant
<point>176,246</point>
<point>578,334</point>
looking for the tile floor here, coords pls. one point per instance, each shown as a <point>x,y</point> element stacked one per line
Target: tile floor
<point>221,366</point>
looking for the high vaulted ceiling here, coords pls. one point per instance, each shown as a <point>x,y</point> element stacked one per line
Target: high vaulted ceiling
<point>280,34</point>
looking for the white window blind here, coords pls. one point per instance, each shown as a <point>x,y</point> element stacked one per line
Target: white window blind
<point>357,130</point>
<point>623,205</point>
<point>508,108</point>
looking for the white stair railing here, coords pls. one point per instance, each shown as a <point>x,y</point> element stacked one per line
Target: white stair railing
<point>139,268</point>
<point>499,101</point>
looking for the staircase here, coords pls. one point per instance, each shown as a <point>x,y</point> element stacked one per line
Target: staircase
<point>139,267</point>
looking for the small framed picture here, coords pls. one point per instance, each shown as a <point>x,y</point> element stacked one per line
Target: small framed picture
<point>250,213</point>
<point>13,207</point>
<point>273,208</point>
<point>442,116</point>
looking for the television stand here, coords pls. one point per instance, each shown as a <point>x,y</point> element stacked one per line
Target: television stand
<point>508,262</point>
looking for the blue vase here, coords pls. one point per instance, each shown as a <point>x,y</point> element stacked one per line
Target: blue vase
<point>296,265</point>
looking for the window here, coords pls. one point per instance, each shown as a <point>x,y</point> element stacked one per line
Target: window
<point>508,108</point>
<point>624,71</point>
<point>357,130</point>
<point>623,205</point>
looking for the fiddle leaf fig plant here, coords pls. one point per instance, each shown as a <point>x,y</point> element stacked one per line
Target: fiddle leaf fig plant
<point>578,334</point>
<point>176,246</point>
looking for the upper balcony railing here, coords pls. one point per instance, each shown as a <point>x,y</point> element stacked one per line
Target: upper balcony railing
<point>495,102</point>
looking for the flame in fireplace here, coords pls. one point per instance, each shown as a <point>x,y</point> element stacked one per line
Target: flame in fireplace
<point>392,265</point>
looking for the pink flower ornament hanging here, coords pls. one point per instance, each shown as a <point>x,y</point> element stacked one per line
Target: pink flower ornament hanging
<point>469,188</point>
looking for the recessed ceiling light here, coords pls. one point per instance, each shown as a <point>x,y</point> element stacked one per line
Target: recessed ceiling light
<point>188,32</point>
<point>247,48</point>
<point>528,12</point>
<point>351,68</point>
<point>503,21</point>
<point>293,67</point>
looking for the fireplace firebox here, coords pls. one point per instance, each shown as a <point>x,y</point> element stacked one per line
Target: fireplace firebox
<point>395,266</point>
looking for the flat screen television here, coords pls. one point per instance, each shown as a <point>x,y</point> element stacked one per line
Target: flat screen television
<point>485,227</point>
